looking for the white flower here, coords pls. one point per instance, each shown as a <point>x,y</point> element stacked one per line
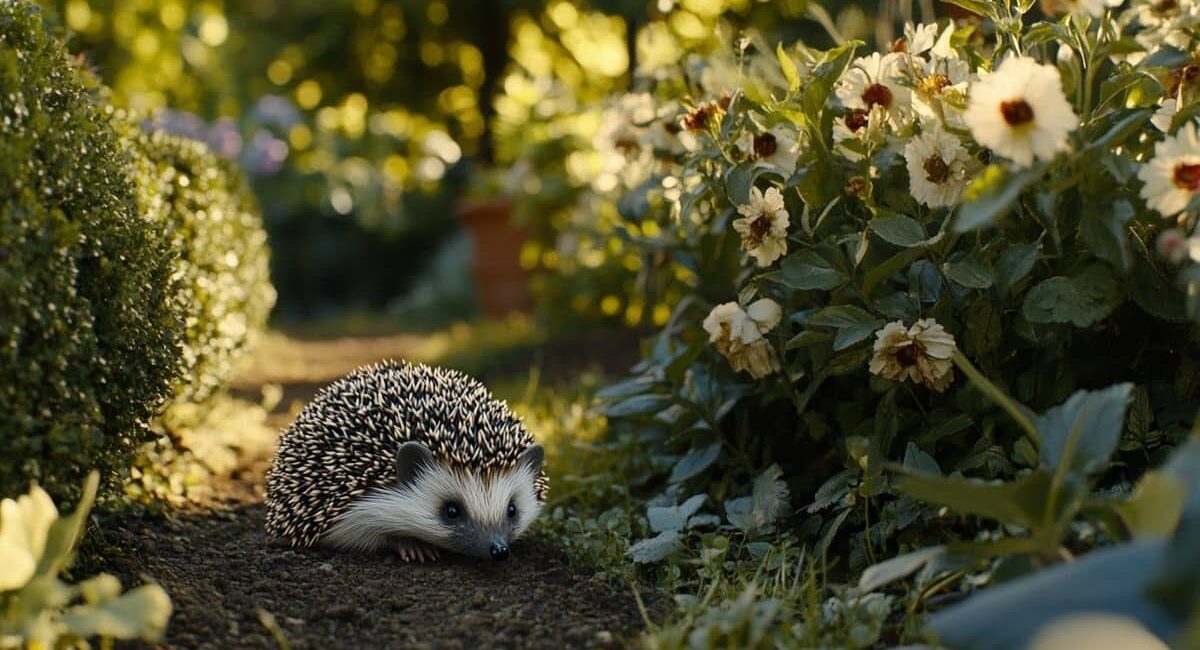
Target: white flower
<point>1095,631</point>
<point>922,353</point>
<point>24,527</point>
<point>778,147</point>
<point>876,80</point>
<point>738,335</point>
<point>937,168</point>
<point>920,38</point>
<point>1172,177</point>
<point>1093,8</point>
<point>763,225</point>
<point>866,130</point>
<point>623,125</point>
<point>1020,111</point>
<point>1165,115</point>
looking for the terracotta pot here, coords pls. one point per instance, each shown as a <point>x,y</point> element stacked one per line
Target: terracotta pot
<point>500,282</point>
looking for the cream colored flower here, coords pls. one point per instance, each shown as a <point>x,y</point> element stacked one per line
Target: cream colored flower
<point>738,335</point>
<point>763,225</point>
<point>778,148</point>
<point>1093,8</point>
<point>937,168</point>
<point>1096,631</point>
<point>1020,111</point>
<point>860,130</point>
<point>877,80</point>
<point>1172,177</point>
<point>1165,115</point>
<point>24,526</point>
<point>921,353</point>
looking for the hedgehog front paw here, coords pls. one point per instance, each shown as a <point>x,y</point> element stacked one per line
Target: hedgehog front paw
<point>413,551</point>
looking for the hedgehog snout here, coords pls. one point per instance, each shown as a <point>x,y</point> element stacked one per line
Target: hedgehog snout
<point>499,550</point>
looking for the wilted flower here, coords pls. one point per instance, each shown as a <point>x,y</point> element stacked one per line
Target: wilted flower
<point>937,168</point>
<point>763,225</point>
<point>738,335</point>
<point>1172,177</point>
<point>921,353</point>
<point>876,81</point>
<point>1172,245</point>
<point>1019,111</point>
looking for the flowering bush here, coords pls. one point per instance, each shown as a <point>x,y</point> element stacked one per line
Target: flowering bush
<point>1006,193</point>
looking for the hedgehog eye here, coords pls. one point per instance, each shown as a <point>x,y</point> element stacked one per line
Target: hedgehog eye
<point>512,510</point>
<point>452,510</point>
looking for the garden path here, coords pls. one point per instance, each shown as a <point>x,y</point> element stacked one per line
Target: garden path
<point>233,587</point>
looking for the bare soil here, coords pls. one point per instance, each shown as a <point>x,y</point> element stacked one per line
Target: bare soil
<point>233,587</point>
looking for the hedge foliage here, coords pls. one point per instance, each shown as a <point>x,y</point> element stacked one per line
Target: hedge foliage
<point>212,220</point>
<point>89,321</point>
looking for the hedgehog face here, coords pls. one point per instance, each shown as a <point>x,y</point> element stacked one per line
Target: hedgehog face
<point>475,514</point>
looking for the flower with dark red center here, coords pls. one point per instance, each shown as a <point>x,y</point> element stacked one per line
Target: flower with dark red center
<point>1017,112</point>
<point>856,120</point>
<point>1187,177</point>
<point>936,170</point>
<point>765,145</point>
<point>1171,179</point>
<point>877,94</point>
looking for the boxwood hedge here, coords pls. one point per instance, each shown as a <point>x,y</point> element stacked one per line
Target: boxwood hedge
<point>89,320</point>
<point>213,221</point>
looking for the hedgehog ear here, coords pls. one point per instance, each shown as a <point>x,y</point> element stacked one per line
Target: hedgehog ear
<point>533,457</point>
<point>410,459</point>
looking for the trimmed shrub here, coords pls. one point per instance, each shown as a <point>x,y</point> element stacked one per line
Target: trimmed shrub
<point>213,221</point>
<point>89,324</point>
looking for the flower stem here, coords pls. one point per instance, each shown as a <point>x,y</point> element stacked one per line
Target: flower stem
<point>998,396</point>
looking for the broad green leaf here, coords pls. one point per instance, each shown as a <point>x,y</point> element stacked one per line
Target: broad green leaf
<point>656,548</point>
<point>637,405</point>
<point>141,613</point>
<point>665,518</point>
<point>757,513</point>
<point>1081,299</point>
<point>919,461</point>
<point>1019,503</point>
<point>971,272</point>
<point>1156,506</point>
<point>1014,264</point>
<point>789,68</point>
<point>897,568</point>
<point>694,462</point>
<point>1155,294</point>
<point>807,270</point>
<point>1084,431</point>
<point>991,196</point>
<point>841,316</point>
<point>899,230</point>
<point>1103,231</point>
<point>67,531</point>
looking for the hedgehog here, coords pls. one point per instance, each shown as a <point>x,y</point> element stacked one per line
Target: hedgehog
<point>406,457</point>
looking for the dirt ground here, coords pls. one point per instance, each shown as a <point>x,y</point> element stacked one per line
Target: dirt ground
<point>233,587</point>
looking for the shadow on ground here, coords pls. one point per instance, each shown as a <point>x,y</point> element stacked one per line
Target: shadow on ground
<point>220,570</point>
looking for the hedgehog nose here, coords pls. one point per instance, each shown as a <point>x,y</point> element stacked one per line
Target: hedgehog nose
<point>499,551</point>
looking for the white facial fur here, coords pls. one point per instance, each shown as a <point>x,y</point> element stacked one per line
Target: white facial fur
<point>415,510</point>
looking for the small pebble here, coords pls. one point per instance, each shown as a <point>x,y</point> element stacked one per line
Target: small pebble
<point>325,566</point>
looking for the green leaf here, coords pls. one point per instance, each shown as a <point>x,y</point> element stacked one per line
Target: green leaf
<point>991,196</point>
<point>897,568</point>
<point>1014,264</point>
<point>807,270</point>
<point>694,462</point>
<point>919,461</point>
<point>1156,506</point>
<point>853,324</point>
<point>970,271</point>
<point>789,68</point>
<point>1155,294</point>
<point>757,513</point>
<point>141,613</point>
<point>638,405</point>
<point>1083,431</point>
<point>67,531</point>
<point>1020,503</point>
<point>1081,299</point>
<point>899,230</point>
<point>1103,231</point>
<point>656,548</point>
<point>667,518</point>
